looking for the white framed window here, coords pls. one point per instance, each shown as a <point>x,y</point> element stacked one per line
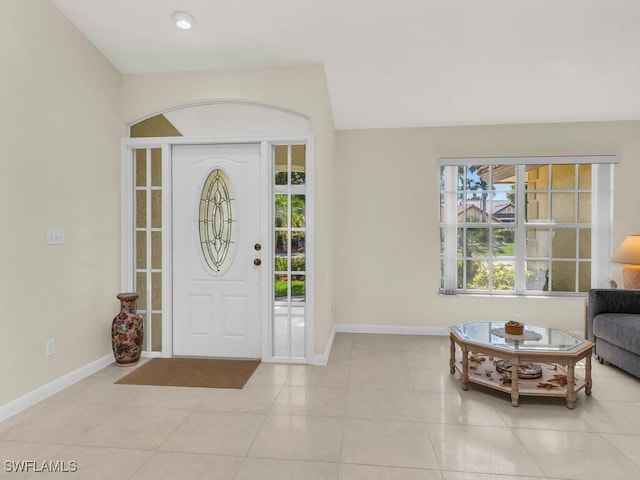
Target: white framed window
<point>525,225</point>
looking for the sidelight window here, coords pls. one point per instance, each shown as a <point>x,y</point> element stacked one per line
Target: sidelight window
<point>148,243</point>
<point>290,254</point>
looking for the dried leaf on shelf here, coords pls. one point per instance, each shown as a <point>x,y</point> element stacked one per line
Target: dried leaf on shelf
<point>547,385</point>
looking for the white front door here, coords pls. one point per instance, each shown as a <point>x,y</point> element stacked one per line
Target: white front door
<point>216,245</point>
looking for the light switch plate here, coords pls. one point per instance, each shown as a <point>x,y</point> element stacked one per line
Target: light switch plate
<point>51,347</point>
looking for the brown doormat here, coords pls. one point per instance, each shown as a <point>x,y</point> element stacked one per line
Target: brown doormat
<point>192,372</point>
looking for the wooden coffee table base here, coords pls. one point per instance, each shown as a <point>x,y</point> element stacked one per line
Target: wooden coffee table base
<point>476,365</point>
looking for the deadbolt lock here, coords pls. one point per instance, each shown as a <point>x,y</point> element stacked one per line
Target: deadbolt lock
<point>258,247</point>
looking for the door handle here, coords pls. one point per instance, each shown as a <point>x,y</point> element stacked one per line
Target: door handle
<point>257,262</point>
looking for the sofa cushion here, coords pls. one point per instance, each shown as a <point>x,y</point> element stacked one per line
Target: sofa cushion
<point>622,329</point>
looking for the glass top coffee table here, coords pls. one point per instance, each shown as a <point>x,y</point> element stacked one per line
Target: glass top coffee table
<point>544,358</point>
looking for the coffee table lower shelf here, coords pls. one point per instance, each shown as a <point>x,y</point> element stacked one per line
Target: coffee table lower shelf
<point>530,387</point>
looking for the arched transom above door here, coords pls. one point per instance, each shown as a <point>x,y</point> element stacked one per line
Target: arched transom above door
<point>222,118</point>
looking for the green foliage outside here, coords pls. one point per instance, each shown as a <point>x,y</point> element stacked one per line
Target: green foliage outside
<point>506,250</point>
<point>477,245</point>
<point>297,178</point>
<point>297,264</point>
<point>290,213</point>
<point>503,277</point>
<point>478,242</point>
<point>297,288</point>
<point>297,211</point>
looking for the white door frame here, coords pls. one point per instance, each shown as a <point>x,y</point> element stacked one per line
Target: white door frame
<point>267,278</point>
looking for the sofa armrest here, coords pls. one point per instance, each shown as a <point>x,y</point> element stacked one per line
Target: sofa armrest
<point>610,301</point>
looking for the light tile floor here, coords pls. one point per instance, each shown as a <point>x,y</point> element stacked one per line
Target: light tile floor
<point>385,407</point>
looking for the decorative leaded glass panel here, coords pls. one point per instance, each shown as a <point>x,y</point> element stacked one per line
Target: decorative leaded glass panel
<point>217,220</point>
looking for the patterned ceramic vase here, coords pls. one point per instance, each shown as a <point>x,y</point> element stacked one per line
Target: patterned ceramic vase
<point>127,331</point>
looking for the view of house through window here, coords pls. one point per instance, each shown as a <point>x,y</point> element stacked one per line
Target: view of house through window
<point>520,228</point>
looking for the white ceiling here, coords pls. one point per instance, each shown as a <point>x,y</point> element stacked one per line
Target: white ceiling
<point>399,63</point>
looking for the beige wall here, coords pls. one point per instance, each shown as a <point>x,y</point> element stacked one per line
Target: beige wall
<point>59,167</point>
<point>386,232</point>
<point>301,89</point>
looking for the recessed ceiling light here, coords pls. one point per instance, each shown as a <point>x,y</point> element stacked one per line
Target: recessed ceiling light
<point>183,20</point>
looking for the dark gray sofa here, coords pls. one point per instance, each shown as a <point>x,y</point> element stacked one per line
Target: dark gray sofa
<point>613,324</point>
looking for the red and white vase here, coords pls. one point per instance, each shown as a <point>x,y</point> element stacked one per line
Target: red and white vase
<point>127,331</point>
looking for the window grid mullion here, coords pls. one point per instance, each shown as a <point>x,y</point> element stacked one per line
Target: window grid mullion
<point>148,306</point>
<point>289,259</point>
<point>493,260</point>
<point>520,233</point>
<point>576,203</point>
<point>451,232</point>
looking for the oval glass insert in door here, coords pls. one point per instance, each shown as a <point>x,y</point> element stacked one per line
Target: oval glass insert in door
<point>217,221</point>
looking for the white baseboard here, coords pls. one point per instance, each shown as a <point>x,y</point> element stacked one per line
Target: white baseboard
<point>323,358</point>
<point>390,329</point>
<point>154,355</point>
<point>287,360</point>
<point>41,393</point>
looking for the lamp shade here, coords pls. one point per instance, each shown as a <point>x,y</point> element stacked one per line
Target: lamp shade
<point>629,251</point>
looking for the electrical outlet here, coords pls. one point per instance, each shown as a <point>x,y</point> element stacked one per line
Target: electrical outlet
<point>51,347</point>
<point>55,236</point>
<point>518,313</point>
